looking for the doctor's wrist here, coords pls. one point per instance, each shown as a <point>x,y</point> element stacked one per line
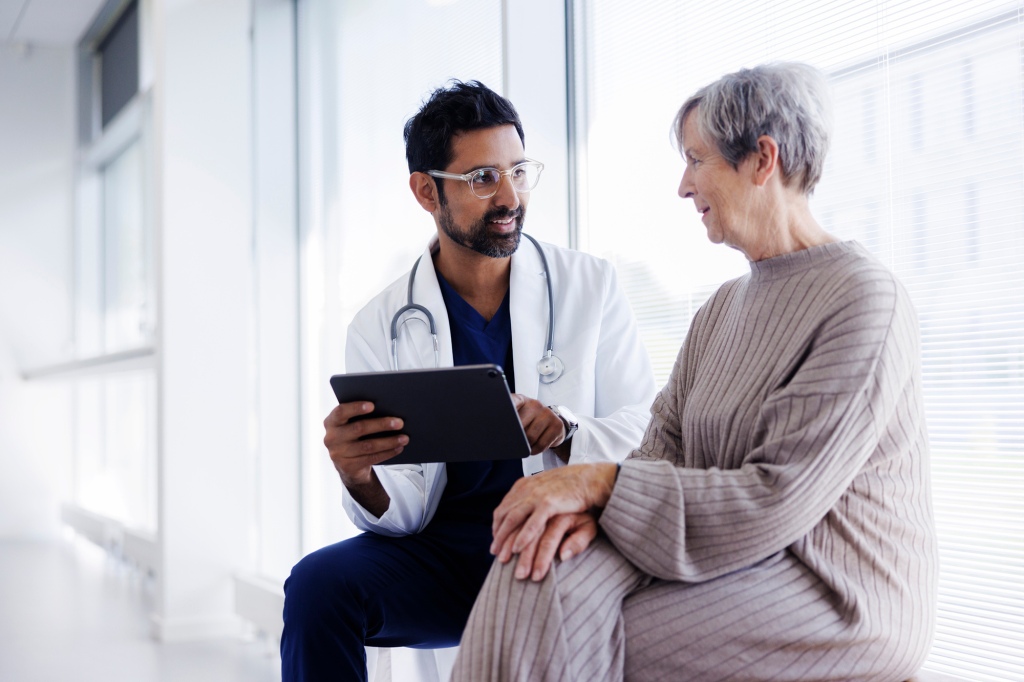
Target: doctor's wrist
<point>563,450</point>
<point>570,423</point>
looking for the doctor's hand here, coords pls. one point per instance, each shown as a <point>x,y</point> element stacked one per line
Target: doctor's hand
<point>544,428</point>
<point>354,458</point>
<point>525,522</point>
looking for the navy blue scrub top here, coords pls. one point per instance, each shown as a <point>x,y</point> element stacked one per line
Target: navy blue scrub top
<point>475,489</point>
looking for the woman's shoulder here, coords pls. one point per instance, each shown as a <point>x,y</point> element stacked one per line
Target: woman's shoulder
<point>858,275</point>
<point>858,291</point>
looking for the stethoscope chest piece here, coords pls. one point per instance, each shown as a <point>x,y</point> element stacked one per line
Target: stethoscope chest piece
<point>549,368</point>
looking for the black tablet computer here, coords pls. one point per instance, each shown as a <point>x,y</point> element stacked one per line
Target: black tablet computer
<point>451,414</point>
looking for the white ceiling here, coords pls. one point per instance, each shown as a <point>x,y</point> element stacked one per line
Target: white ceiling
<point>46,22</point>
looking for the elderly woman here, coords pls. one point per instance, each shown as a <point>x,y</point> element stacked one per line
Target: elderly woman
<point>776,521</point>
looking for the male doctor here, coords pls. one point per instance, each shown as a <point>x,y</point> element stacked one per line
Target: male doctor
<point>412,577</point>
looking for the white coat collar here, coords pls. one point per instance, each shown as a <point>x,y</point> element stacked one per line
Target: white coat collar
<point>427,293</point>
<point>528,306</point>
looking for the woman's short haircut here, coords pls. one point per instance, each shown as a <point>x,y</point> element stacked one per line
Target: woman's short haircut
<point>787,101</point>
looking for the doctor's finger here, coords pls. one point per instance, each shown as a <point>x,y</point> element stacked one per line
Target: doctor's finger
<point>345,411</point>
<point>382,455</point>
<point>371,447</point>
<point>542,435</point>
<point>353,458</point>
<point>368,427</point>
<point>531,411</point>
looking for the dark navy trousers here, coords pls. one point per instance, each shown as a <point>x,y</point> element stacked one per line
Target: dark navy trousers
<point>414,591</point>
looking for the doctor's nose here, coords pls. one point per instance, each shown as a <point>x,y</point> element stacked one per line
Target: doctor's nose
<point>507,196</point>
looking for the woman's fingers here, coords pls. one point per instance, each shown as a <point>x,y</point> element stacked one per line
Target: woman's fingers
<point>532,501</point>
<point>507,523</point>
<point>546,547</point>
<point>565,535</point>
<point>579,537</point>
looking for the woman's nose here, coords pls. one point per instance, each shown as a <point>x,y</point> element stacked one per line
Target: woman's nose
<point>686,185</point>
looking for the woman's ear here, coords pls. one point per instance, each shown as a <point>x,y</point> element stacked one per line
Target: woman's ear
<point>766,159</point>
<point>422,186</point>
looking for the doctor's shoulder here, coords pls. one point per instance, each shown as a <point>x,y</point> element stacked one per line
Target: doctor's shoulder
<point>573,260</point>
<point>586,274</point>
<point>373,320</point>
<point>384,303</point>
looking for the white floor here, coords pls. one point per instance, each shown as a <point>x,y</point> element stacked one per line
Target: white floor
<point>70,613</point>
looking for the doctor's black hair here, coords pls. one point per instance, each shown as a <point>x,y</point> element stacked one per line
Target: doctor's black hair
<point>456,108</point>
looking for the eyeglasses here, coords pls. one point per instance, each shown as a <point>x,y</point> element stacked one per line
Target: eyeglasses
<point>484,181</point>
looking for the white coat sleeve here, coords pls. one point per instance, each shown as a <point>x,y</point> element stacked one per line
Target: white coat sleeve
<point>414,489</point>
<point>624,386</point>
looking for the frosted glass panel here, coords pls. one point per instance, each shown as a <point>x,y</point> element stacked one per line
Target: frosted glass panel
<point>127,294</point>
<point>116,447</point>
<point>365,68</point>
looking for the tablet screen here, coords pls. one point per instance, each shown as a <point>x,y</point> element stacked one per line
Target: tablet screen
<point>451,414</point>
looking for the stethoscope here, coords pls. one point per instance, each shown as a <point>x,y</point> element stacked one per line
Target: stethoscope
<point>549,367</point>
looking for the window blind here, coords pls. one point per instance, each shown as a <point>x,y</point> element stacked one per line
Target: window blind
<point>926,170</point>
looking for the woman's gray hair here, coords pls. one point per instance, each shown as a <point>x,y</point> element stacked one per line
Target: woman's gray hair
<point>787,101</point>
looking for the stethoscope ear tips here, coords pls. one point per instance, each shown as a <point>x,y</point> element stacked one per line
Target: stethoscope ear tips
<point>549,368</point>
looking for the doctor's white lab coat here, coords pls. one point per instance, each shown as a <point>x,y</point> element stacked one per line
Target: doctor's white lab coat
<point>607,381</point>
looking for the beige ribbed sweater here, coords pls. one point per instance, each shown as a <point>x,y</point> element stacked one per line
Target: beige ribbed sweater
<point>776,522</point>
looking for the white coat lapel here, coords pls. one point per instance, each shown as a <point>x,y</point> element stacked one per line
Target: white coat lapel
<point>427,293</point>
<point>529,311</point>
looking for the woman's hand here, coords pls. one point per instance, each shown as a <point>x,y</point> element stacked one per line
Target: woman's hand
<point>550,512</point>
<point>566,535</point>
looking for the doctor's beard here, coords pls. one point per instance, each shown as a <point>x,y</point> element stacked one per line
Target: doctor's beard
<point>479,237</point>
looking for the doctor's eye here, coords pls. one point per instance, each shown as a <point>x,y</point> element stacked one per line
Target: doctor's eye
<point>485,177</point>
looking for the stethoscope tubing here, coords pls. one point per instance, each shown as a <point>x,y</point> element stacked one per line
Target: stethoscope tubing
<point>549,367</point>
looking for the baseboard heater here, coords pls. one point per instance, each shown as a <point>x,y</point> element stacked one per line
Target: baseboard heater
<point>260,600</point>
<point>133,546</point>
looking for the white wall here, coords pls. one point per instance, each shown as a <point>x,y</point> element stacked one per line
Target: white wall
<point>202,96</point>
<point>36,189</point>
<point>276,297</point>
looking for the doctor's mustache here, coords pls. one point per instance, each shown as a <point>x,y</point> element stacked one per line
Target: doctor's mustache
<point>502,213</point>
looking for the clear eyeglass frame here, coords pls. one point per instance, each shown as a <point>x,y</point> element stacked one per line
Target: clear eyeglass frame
<point>484,182</point>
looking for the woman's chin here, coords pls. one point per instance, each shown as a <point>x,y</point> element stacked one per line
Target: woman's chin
<point>714,236</point>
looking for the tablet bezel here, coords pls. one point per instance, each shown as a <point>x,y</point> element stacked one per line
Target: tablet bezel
<point>451,414</point>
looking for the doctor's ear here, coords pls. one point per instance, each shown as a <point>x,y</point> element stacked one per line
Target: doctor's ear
<point>422,186</point>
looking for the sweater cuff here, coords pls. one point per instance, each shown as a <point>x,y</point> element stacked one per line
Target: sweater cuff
<point>626,519</point>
